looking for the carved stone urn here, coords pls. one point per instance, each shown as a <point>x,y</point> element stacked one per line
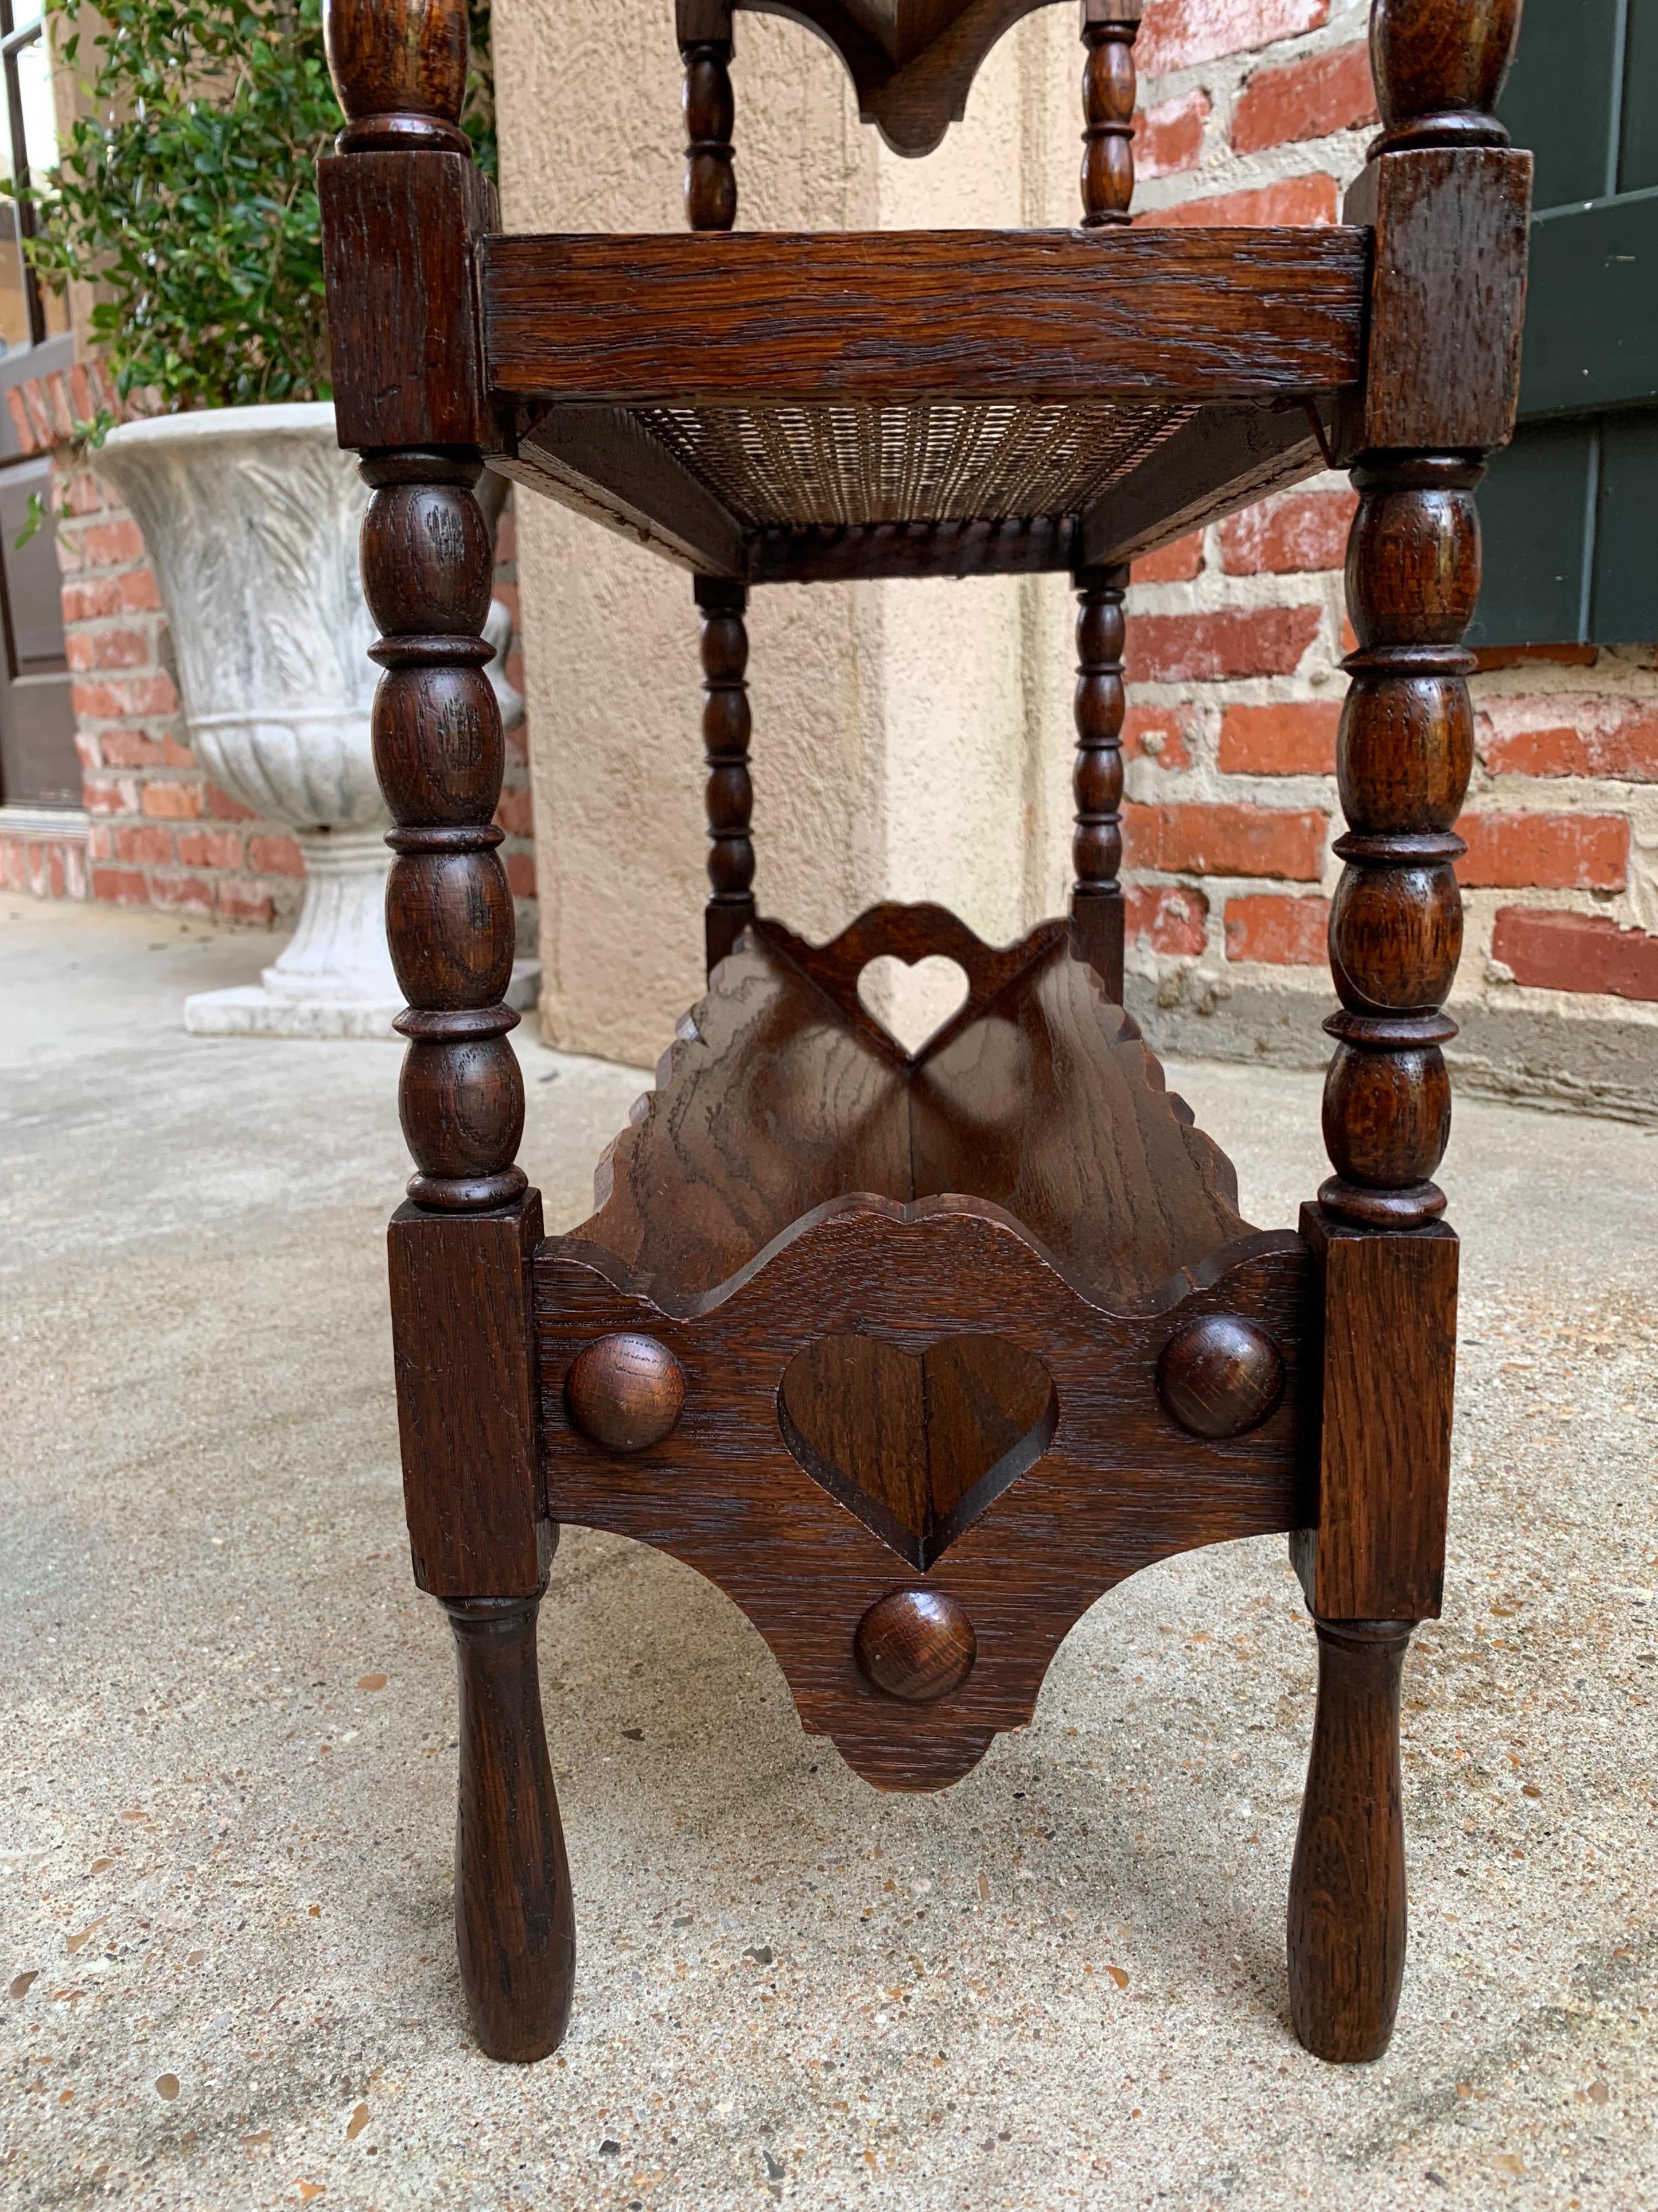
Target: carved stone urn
<point>251,516</point>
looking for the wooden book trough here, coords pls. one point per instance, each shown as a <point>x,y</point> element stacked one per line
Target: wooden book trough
<point>917,1354</point>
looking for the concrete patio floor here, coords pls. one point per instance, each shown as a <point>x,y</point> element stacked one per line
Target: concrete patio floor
<point>227,1770</point>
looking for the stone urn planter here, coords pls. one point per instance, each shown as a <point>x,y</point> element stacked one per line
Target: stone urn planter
<point>251,516</point>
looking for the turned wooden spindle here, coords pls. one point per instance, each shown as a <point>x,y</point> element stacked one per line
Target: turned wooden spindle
<point>402,194</point>
<point>730,794</point>
<point>1404,753</point>
<point>710,113</point>
<point>1109,28</point>
<point>427,573</point>
<point>1439,70</point>
<point>1372,1567</point>
<point>710,205</point>
<point>1096,903</point>
<point>399,71</point>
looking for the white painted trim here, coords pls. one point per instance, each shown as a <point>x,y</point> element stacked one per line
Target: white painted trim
<point>72,822</point>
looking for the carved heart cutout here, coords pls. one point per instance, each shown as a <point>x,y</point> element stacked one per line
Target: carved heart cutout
<point>917,1449</point>
<point>912,1002</point>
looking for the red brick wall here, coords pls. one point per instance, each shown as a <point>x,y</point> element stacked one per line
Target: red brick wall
<point>161,833</point>
<point>1259,111</point>
<point>43,864</point>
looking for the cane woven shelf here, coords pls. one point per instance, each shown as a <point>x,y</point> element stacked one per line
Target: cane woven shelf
<point>939,461</point>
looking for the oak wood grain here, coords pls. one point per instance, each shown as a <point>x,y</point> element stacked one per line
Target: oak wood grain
<point>1220,1376</point>
<point>887,315</point>
<point>1376,1548</point>
<point>918,1447</point>
<point>514,1914</point>
<point>625,1392</point>
<point>1051,1105</point>
<point>823,554</point>
<point>1439,67</point>
<point>918,1645</point>
<point>399,73</point>
<point>466,1405</point>
<point>1347,1898</point>
<point>1121,1483</point>
<point>783,1093</point>
<point>403,328</point>
<point>1447,305</point>
<point>916,1354</point>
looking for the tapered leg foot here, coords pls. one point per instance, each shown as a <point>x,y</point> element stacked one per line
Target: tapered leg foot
<point>514,1919</point>
<point>1347,1885</point>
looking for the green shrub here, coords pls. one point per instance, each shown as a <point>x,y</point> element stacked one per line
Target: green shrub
<point>189,194</point>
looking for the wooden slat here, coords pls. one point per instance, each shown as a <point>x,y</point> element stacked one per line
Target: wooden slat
<point>827,554</point>
<point>1223,459</point>
<point>779,317</point>
<point>604,463</point>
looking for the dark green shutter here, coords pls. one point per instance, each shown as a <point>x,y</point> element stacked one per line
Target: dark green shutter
<point>1570,526</point>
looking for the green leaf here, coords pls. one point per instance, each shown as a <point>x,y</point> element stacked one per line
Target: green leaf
<point>34,516</point>
<point>188,192</point>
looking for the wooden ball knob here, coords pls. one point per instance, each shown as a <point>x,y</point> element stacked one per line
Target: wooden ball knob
<point>625,1392</point>
<point>916,1645</point>
<point>1220,1376</point>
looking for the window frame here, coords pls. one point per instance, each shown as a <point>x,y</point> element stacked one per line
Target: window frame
<point>1555,502</point>
<point>14,38</point>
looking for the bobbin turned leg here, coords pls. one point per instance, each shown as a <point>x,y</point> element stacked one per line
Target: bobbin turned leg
<point>1108,31</point>
<point>460,1251</point>
<point>1386,1264</point>
<point>705,47</point>
<point>1096,901</point>
<point>402,202</point>
<point>463,1334</point>
<point>514,1921</point>
<point>729,792</point>
<point>1448,204</point>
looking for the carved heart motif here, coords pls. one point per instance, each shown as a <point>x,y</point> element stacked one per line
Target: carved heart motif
<point>917,1447</point>
<point>912,1000</point>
